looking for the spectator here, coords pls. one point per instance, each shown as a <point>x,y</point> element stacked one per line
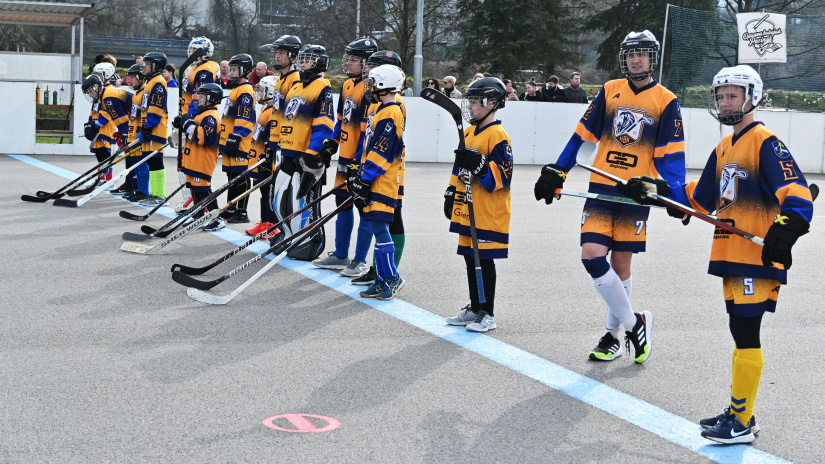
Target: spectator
<point>449,87</point>
<point>406,91</point>
<point>511,94</point>
<point>224,77</point>
<point>169,74</point>
<point>532,93</point>
<point>478,76</point>
<point>553,92</point>
<point>259,73</point>
<point>98,59</point>
<point>139,60</point>
<point>433,84</point>
<point>574,93</point>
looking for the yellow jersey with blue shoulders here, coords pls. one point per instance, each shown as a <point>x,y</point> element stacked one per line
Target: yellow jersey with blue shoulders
<point>238,118</point>
<point>382,161</point>
<point>639,132</point>
<point>369,115</point>
<point>153,113</point>
<point>282,86</point>
<point>134,119</point>
<point>201,152</point>
<point>260,138</point>
<point>307,120</point>
<point>491,194</point>
<point>115,107</point>
<point>351,109</point>
<point>748,179</point>
<point>204,73</point>
<point>105,133</point>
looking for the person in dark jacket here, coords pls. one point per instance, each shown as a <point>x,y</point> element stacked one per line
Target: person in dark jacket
<point>552,92</point>
<point>574,93</point>
<point>532,93</point>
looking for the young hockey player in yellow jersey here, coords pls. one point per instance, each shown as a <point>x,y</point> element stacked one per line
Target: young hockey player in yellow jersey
<point>264,93</point>
<point>203,136</point>
<point>638,125</point>
<point>376,184</point>
<point>284,52</point>
<point>237,124</point>
<point>750,180</point>
<point>488,161</point>
<point>347,140</point>
<point>109,115</point>
<point>138,82</point>
<point>154,119</point>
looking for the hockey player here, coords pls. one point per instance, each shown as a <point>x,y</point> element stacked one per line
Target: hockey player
<point>284,52</point>
<point>237,124</point>
<point>153,131</point>
<point>306,122</point>
<point>203,135</point>
<point>137,82</point>
<point>264,93</point>
<point>639,126</point>
<point>488,161</point>
<point>203,71</point>
<point>376,184</point>
<point>751,180</point>
<point>347,135</point>
<point>110,112</point>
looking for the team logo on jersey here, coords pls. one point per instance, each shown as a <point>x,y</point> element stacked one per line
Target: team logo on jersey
<point>291,109</point>
<point>349,110</point>
<point>728,184</point>
<point>780,149</point>
<point>629,124</point>
<point>245,100</point>
<point>276,101</point>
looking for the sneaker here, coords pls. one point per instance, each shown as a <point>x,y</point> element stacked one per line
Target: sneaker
<point>123,189</point>
<point>258,228</point>
<point>229,213</point>
<point>366,279</point>
<point>332,262</point>
<point>373,290</point>
<point>467,315</point>
<point>183,206</point>
<point>355,268</point>
<point>729,430</point>
<point>482,323</point>
<point>137,197</point>
<point>238,218</point>
<point>217,224</point>
<point>640,336</point>
<point>151,201</point>
<point>275,232</point>
<point>711,421</point>
<point>391,288</point>
<point>608,349</point>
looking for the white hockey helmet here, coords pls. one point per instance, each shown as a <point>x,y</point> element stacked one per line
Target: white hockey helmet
<point>387,77</point>
<point>265,89</point>
<point>201,42</point>
<point>742,76</point>
<point>106,71</point>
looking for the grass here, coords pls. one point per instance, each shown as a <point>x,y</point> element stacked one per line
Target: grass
<point>38,139</point>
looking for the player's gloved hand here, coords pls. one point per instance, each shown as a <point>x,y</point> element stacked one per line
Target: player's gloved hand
<point>176,122</point>
<point>90,130</point>
<point>143,134</point>
<point>187,122</point>
<point>360,191</point>
<point>473,161</point>
<point>678,214</point>
<point>787,227</point>
<point>551,179</point>
<point>329,148</point>
<point>637,188</point>
<point>233,145</point>
<point>449,201</point>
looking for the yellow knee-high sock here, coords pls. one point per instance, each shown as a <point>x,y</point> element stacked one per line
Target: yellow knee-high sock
<point>747,372</point>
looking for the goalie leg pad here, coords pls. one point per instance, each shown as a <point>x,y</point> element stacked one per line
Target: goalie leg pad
<point>312,168</point>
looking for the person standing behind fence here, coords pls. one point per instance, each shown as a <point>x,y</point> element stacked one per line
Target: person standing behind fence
<point>552,91</point>
<point>574,93</point>
<point>532,93</point>
<point>449,87</point>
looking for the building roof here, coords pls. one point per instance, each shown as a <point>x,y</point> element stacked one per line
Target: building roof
<point>36,13</point>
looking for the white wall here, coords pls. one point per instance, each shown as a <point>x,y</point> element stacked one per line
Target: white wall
<point>539,130</point>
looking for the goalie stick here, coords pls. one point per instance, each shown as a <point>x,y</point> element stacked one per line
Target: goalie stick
<point>446,103</point>
<point>170,226</point>
<point>143,249</point>
<point>200,270</point>
<point>84,199</point>
<point>135,217</point>
<point>195,291</point>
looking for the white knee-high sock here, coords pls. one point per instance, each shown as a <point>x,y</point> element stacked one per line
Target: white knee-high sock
<point>614,294</point>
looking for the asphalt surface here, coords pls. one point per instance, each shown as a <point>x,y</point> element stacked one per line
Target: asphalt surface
<point>103,358</point>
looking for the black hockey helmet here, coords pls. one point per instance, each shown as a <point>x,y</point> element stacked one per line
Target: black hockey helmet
<point>244,63</point>
<point>92,87</point>
<point>361,48</point>
<point>136,72</point>
<point>487,89</point>
<point>290,43</point>
<point>384,57</point>
<point>154,62</point>
<point>639,42</point>
<point>213,93</point>
<point>317,56</point>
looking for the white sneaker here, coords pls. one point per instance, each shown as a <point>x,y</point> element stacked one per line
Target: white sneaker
<point>332,262</point>
<point>482,323</point>
<point>180,208</point>
<point>467,316</point>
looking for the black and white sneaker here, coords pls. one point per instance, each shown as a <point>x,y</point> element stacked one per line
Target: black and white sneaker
<point>640,336</point>
<point>712,421</point>
<point>366,279</point>
<point>608,349</point>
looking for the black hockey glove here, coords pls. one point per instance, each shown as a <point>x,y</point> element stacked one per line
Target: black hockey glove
<point>176,122</point>
<point>233,145</point>
<point>360,191</point>
<point>90,129</point>
<point>787,227</point>
<point>186,122</point>
<point>329,148</point>
<point>551,179</point>
<point>449,201</point>
<point>678,214</point>
<point>637,188</point>
<point>145,133</point>
<point>473,161</point>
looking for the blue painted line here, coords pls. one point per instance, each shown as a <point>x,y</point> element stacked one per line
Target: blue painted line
<point>654,419</point>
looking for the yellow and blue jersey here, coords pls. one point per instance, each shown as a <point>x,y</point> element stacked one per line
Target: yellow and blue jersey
<point>201,152</point>
<point>260,138</point>
<point>382,161</point>
<point>153,112</point>
<point>134,118</point>
<point>307,117</point>
<point>282,86</point>
<point>352,107</point>
<point>748,179</point>
<point>238,118</point>
<point>205,73</point>
<point>367,119</point>
<point>116,104</point>
<point>639,132</point>
<point>491,194</point>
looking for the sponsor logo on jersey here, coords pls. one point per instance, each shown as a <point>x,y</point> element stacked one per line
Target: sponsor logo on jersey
<point>291,109</point>
<point>780,149</point>
<point>629,124</point>
<point>728,184</point>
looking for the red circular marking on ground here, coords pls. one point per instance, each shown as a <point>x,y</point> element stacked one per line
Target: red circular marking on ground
<point>302,424</point>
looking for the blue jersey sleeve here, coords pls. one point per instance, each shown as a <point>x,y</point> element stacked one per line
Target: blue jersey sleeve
<point>500,164</point>
<point>384,143</point>
<point>322,123</point>
<point>669,157</point>
<point>780,175</point>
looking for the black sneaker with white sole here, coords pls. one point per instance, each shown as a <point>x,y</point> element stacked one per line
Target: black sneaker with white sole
<point>640,336</point>
<point>608,349</point>
<point>712,421</point>
<point>366,279</point>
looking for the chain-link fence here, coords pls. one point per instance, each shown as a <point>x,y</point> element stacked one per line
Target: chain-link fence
<point>703,42</point>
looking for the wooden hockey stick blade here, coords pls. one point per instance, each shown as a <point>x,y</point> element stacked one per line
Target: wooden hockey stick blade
<point>209,298</point>
<point>133,247</point>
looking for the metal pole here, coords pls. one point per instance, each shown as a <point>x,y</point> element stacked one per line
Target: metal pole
<point>358,19</point>
<point>80,64</point>
<point>418,69</point>
<point>75,74</point>
<point>664,39</point>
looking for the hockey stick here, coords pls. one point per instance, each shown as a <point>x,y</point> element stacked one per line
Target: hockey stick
<point>84,199</point>
<point>196,287</point>
<point>42,196</point>
<point>446,103</point>
<point>170,226</point>
<point>205,219</point>
<point>84,191</point>
<point>134,217</point>
<point>200,270</point>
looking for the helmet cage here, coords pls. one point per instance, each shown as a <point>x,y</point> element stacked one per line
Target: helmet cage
<point>345,66</point>
<point>652,51</point>
<point>466,102</point>
<point>92,88</point>
<point>203,43</point>
<point>741,77</point>
<point>208,96</point>
<point>265,89</point>
<point>318,62</point>
<point>138,78</point>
